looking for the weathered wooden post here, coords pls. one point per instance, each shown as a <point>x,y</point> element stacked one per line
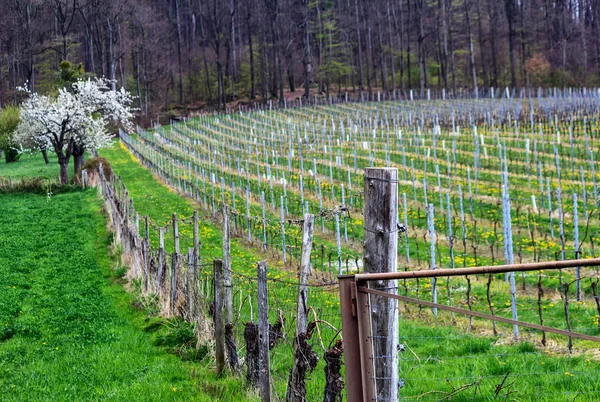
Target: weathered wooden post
<point>380,255</point>
<point>218,317</point>
<point>188,290</point>
<point>336,214</point>
<point>227,267</point>
<point>175,262</point>
<point>283,231</point>
<point>161,260</point>
<point>146,255</point>
<point>263,334</point>
<point>196,264</point>
<point>296,386</point>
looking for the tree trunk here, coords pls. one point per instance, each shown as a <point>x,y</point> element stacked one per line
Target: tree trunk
<point>179,55</point>
<point>408,34</point>
<point>471,50</point>
<point>444,52</point>
<point>232,12</point>
<point>290,73</point>
<point>45,155</point>
<point>369,52</point>
<point>481,46</point>
<point>63,157</point>
<point>510,15</point>
<point>391,45</point>
<point>251,53</point>
<point>78,158</point>
<point>493,21</point>
<point>400,43</point>
<point>78,161</point>
<point>307,59</point>
<point>262,65</point>
<point>382,51</point>
<point>358,46</point>
<point>584,46</point>
<point>421,45</point>
<point>64,170</point>
<point>523,33</point>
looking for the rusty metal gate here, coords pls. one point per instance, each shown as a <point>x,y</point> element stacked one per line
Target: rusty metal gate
<point>356,291</point>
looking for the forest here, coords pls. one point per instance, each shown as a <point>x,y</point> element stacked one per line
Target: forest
<point>205,53</point>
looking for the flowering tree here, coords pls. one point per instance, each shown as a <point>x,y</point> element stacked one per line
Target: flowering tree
<point>74,120</point>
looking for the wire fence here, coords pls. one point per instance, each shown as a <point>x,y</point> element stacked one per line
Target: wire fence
<point>441,354</point>
<point>185,285</point>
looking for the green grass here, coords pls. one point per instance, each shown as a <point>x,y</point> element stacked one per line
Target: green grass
<point>31,166</point>
<point>68,331</point>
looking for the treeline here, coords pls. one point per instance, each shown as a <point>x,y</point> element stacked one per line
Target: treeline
<point>210,52</point>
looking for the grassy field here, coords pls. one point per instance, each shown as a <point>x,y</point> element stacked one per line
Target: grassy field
<point>68,329</point>
<point>31,166</point>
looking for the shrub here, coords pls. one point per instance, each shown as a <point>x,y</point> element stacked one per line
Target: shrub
<point>538,70</point>
<point>92,165</point>
<point>9,120</point>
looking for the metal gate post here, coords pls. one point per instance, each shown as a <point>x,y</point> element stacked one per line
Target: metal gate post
<point>358,351</point>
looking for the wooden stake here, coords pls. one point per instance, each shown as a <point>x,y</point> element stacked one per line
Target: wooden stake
<point>174,264</point>
<point>380,255</point>
<point>218,317</point>
<point>305,268</point>
<point>161,259</point>
<point>227,267</point>
<point>264,380</point>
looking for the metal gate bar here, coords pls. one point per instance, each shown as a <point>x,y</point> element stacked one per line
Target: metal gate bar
<point>480,315</point>
<point>491,269</point>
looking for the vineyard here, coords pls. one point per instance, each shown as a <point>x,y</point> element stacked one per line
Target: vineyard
<point>480,182</point>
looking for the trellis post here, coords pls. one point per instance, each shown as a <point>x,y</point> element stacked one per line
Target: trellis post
<point>380,255</point>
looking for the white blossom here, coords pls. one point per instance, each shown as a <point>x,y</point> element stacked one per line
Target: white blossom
<point>79,116</point>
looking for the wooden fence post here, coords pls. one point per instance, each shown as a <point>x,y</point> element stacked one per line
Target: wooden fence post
<point>218,318</point>
<point>175,262</point>
<point>231,350</point>
<point>380,255</point>
<point>135,236</point>
<point>264,379</point>
<point>125,223</point>
<point>189,282</point>
<point>146,255</point>
<point>283,230</point>
<point>196,264</point>
<point>305,268</point>
<point>227,267</point>
<point>161,260</point>
<point>296,381</point>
